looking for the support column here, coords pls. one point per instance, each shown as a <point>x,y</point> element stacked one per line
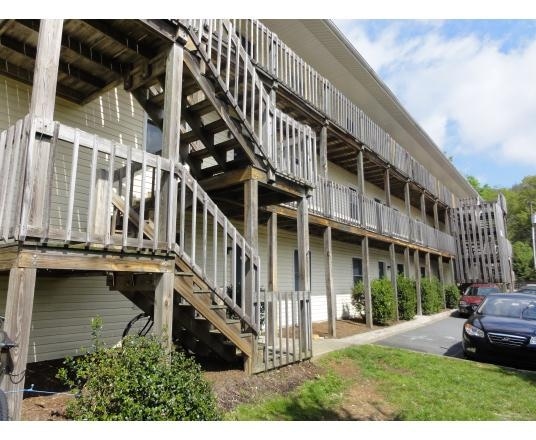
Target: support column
<point>360,173</point>
<point>423,208</point>
<point>42,105</point>
<point>18,313</point>
<point>387,186</point>
<point>251,234</point>
<point>171,148</point>
<point>407,263</point>
<point>442,280</point>
<point>324,151</point>
<point>163,308</point>
<point>272,253</point>
<point>394,274</point>
<point>330,293</point>
<point>436,215</point>
<point>447,222</point>
<point>427,265</point>
<point>366,281</point>
<point>303,245</point>
<point>407,199</point>
<point>416,263</point>
<point>452,272</point>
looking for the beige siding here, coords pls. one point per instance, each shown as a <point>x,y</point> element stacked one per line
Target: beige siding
<point>62,313</point>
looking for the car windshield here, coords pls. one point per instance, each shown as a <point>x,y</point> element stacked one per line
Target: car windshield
<point>482,291</point>
<point>509,308</point>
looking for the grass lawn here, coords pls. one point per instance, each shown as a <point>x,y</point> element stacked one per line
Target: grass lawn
<point>412,386</point>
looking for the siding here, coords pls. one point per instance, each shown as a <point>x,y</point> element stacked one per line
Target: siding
<point>62,313</point>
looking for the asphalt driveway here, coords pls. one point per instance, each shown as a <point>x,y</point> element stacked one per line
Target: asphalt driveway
<point>441,337</point>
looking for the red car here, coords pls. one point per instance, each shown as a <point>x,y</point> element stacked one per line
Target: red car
<point>473,296</point>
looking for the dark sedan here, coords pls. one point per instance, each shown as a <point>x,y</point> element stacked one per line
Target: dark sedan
<point>503,327</point>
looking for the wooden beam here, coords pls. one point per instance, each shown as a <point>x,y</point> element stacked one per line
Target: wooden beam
<point>423,208</point>
<point>366,281</point>
<point>442,279</point>
<point>407,263</point>
<point>42,106</point>
<point>163,308</point>
<point>417,267</point>
<point>331,298</point>
<point>303,245</point>
<point>18,314</point>
<point>427,265</point>
<point>172,105</point>
<point>131,45</point>
<point>30,52</point>
<point>251,234</point>
<point>324,151</point>
<point>387,186</point>
<point>407,199</point>
<point>360,173</point>
<point>73,45</point>
<point>273,285</point>
<point>394,274</point>
<point>436,215</point>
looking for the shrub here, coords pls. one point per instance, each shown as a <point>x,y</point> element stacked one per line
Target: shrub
<point>407,298</point>
<point>383,304</point>
<point>137,381</point>
<point>452,295</point>
<point>431,296</point>
<point>383,301</point>
<point>358,298</point>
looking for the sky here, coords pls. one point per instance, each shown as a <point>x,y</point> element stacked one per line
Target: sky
<point>470,84</point>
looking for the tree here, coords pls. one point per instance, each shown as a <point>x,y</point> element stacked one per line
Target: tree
<point>523,261</point>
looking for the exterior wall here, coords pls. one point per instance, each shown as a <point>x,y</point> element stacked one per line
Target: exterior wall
<point>62,313</point>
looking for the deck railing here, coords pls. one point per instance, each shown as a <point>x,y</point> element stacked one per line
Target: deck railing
<point>344,204</point>
<point>286,331</point>
<point>271,54</point>
<point>288,146</point>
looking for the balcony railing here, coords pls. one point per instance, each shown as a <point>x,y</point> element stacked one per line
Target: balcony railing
<point>272,55</point>
<point>346,205</point>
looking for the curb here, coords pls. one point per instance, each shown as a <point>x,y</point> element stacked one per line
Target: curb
<point>323,346</point>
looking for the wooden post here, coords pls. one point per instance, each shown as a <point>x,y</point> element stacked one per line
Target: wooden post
<point>360,173</point>
<point>442,279</point>
<point>163,308</point>
<point>407,199</point>
<point>452,272</point>
<point>423,208</point>
<point>407,263</point>
<point>251,234</point>
<point>42,106</point>
<point>272,253</point>
<point>447,222</point>
<point>19,307</point>
<point>394,274</point>
<point>100,223</point>
<point>387,185</point>
<point>324,151</point>
<point>427,265</point>
<point>303,245</point>
<point>436,215</point>
<point>417,264</point>
<point>366,281</point>
<point>330,293</point>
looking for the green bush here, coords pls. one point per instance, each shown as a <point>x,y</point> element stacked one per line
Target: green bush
<point>383,304</point>
<point>431,296</point>
<point>383,301</point>
<point>452,295</point>
<point>407,298</point>
<point>358,298</point>
<point>137,381</point>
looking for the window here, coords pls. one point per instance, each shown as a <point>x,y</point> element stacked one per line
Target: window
<point>400,269</point>
<point>297,272</point>
<point>153,138</point>
<point>423,272</point>
<point>381,269</point>
<point>357,270</point>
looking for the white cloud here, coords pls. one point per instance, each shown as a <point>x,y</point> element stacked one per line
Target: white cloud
<point>488,94</point>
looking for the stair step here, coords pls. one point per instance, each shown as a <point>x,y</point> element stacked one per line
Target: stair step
<point>216,126</point>
<point>218,307</point>
<point>202,292</point>
<point>184,274</point>
<point>201,108</point>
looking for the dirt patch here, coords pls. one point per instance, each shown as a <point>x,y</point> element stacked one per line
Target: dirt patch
<point>344,328</point>
<point>361,399</point>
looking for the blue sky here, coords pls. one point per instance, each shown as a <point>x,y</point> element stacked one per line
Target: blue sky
<point>471,84</point>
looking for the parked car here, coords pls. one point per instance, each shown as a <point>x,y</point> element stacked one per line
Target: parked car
<point>528,288</point>
<point>473,296</point>
<point>503,327</point>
